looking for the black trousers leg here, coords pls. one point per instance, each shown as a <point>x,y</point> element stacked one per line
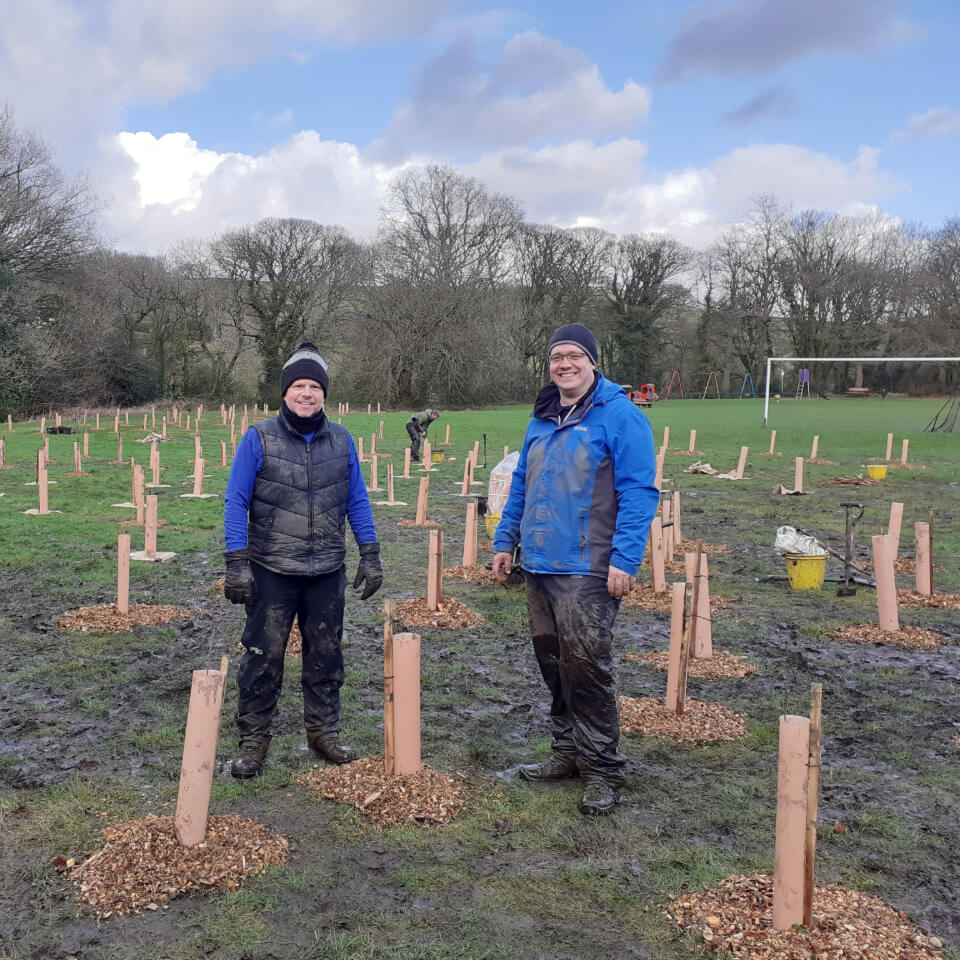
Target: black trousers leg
<point>414,433</point>
<point>260,678</point>
<point>571,622</point>
<point>320,615</point>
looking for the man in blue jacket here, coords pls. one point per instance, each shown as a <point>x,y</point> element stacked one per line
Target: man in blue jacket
<point>293,482</point>
<point>581,501</point>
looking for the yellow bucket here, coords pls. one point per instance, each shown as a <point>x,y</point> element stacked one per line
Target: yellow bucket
<point>877,471</point>
<point>491,520</point>
<point>806,570</point>
<point>436,456</point>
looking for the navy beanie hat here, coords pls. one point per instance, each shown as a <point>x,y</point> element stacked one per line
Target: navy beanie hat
<point>578,335</point>
<point>305,363</point>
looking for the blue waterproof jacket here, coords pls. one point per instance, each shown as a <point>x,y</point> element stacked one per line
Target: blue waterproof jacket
<point>583,494</point>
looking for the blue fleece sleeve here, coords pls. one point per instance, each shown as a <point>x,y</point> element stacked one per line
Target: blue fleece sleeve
<point>359,511</point>
<point>243,474</point>
<point>507,534</point>
<point>634,472</point>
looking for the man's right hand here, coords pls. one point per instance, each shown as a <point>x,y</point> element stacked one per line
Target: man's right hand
<point>239,585</point>
<point>502,565</point>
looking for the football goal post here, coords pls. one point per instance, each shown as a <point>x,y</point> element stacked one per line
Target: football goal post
<point>773,360</point>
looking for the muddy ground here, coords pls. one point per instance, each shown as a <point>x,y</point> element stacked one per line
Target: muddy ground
<point>90,726</point>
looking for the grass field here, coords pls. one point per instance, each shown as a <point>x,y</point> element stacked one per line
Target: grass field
<point>91,724</point>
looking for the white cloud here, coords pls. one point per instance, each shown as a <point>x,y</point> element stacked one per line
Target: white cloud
<point>537,90</point>
<point>168,189</point>
<point>283,119</point>
<point>935,122</point>
<point>69,67</point>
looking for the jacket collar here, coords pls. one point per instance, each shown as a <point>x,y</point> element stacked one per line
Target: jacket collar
<point>548,405</point>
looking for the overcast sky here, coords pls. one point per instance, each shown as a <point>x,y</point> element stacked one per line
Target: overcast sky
<point>192,116</point>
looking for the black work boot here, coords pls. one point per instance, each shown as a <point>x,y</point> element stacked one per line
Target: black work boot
<point>556,768</point>
<point>249,761</point>
<point>599,798</point>
<point>330,748</point>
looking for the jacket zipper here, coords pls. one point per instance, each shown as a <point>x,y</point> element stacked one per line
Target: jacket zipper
<point>310,505</point>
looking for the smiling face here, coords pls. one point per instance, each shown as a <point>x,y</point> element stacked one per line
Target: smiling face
<point>572,371</point>
<point>304,397</point>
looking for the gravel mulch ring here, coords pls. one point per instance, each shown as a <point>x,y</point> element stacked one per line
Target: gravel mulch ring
<point>142,865</point>
<point>422,797</point>
<point>700,722</point>
<point>690,546</point>
<point>723,664</point>
<point>904,637</point>
<point>737,916</point>
<point>413,523</point>
<point>451,615</point>
<point>104,618</point>
<point>474,574</point>
<point>940,601</point>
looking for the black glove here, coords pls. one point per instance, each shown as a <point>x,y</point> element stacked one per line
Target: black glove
<point>369,572</point>
<point>239,585</point>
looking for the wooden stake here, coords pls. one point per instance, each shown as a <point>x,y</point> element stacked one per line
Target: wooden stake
<point>406,703</point>
<point>123,573</point>
<point>676,684</point>
<point>666,438</point>
<point>889,455</point>
<point>465,485</point>
<point>139,499</point>
<point>199,755</point>
<point>380,430</point>
<point>788,871</point>
<point>904,450</point>
<point>406,463</point>
<point>76,457</point>
<point>223,453</point>
<point>390,496</point>
<point>773,441</point>
<point>798,475</point>
<point>886,584</point>
<point>677,536</point>
<point>427,456</point>
<point>389,735</point>
<point>703,648</point>
<point>922,533</point>
<point>421,516</point>
<point>435,571</point>
<point>930,537</point>
<point>86,444</point>
<point>374,481</point>
<point>657,571</point>
<point>813,449</point>
<point>447,437</point>
<point>470,536</point>
<point>506,451</point>
<point>693,442</point>
<point>360,454</point>
<point>198,477</point>
<point>689,639</point>
<point>813,801</point>
<point>658,479</point>
<point>669,546</point>
<point>42,497</point>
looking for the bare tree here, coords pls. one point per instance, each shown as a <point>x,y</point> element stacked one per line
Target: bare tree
<point>293,278</point>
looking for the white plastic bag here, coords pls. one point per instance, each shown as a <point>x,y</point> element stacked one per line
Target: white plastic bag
<point>790,541</point>
<point>498,489</point>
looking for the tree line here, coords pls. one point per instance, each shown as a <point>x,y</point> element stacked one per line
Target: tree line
<point>452,302</point>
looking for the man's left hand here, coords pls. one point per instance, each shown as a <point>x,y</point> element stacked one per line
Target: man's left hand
<point>369,573</point>
<point>620,583</point>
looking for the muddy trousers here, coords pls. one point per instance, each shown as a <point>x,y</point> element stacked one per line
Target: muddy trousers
<point>413,431</point>
<point>317,603</point>
<point>571,622</point>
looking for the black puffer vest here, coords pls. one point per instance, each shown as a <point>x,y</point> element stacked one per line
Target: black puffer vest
<point>299,505</point>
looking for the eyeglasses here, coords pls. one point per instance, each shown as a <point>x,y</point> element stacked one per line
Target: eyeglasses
<point>567,357</point>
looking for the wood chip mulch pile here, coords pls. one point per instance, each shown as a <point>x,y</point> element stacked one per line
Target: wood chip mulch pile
<point>422,797</point>
<point>142,865</point>
<point>940,601</point>
<point>737,916</point>
<point>956,741</point>
<point>451,615</point>
<point>907,466</point>
<point>820,462</point>
<point>690,546</point>
<point>104,618</point>
<point>413,523</point>
<point>904,637</point>
<point>722,665</point>
<point>900,565</point>
<point>643,598</point>
<point>474,574</point>
<point>485,546</point>
<point>699,723</point>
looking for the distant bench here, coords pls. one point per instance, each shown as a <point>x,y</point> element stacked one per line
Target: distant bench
<point>858,391</point>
